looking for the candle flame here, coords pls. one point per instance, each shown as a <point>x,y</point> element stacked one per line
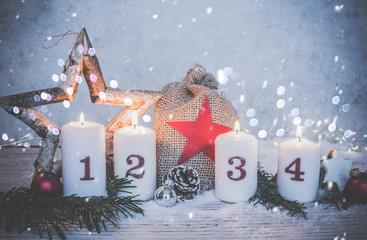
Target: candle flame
<point>237,126</point>
<point>299,133</point>
<point>81,119</point>
<point>134,119</point>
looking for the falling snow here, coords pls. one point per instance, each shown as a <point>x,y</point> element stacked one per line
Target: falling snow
<point>278,71</point>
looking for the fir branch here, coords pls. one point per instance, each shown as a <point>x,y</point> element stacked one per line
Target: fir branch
<point>116,185</point>
<point>28,210</point>
<point>335,197</point>
<point>23,209</point>
<point>268,196</point>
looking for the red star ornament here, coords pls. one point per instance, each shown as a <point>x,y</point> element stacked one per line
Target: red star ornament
<point>200,134</point>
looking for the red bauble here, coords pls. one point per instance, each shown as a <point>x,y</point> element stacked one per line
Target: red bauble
<point>356,188</point>
<point>47,184</point>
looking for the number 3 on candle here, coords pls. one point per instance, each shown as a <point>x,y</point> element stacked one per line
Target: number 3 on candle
<point>297,171</point>
<point>242,171</point>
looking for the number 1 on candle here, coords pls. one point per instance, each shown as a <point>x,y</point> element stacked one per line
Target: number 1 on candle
<point>86,162</point>
<point>297,170</point>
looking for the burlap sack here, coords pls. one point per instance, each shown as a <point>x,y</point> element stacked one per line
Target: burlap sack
<point>182,101</point>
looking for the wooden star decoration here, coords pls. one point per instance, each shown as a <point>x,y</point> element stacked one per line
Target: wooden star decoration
<point>337,169</point>
<point>81,61</point>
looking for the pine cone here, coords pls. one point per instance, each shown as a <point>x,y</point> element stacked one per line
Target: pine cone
<point>187,182</point>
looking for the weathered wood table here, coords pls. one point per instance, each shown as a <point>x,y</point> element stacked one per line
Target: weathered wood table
<point>203,218</point>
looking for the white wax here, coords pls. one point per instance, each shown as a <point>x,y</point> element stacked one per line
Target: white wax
<point>302,186</point>
<point>80,175</point>
<point>236,179</point>
<point>135,158</point>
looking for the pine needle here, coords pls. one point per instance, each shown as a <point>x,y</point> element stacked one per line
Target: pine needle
<point>268,196</point>
<point>335,197</point>
<point>22,209</point>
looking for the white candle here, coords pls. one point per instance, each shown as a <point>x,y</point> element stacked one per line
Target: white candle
<point>235,166</point>
<point>298,169</point>
<point>135,158</point>
<point>83,158</point>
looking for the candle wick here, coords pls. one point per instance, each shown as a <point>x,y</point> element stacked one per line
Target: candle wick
<point>236,132</point>
<point>299,138</point>
<point>134,126</point>
<point>82,123</point>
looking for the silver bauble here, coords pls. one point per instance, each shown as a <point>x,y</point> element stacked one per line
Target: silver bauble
<point>165,196</point>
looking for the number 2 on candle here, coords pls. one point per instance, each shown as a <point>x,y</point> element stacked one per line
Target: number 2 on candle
<point>297,170</point>
<point>140,164</point>
<point>242,171</point>
<point>86,162</point>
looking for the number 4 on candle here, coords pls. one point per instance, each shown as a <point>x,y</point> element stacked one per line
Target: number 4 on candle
<point>297,170</point>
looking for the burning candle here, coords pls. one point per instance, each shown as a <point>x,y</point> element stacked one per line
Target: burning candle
<point>135,158</point>
<point>83,158</point>
<point>235,165</point>
<point>298,169</point>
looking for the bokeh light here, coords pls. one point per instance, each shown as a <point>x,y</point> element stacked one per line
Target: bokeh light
<point>297,121</point>
<point>44,95</point>
<point>250,112</point>
<point>66,104</point>
<point>335,100</point>
<point>79,79</point>
<point>91,51</point>
<point>102,95</point>
<point>37,98</point>
<point>128,102</point>
<point>280,132</point>
<point>33,116</point>
<point>63,77</point>
<point>281,90</point>
<point>93,77</point>
<point>15,110</point>
<point>147,118</point>
<point>253,122</point>
<point>228,71</point>
<point>262,134</point>
<point>70,90</point>
<point>221,77</point>
<point>332,127</point>
<point>308,123</point>
<point>295,112</point>
<point>114,84</point>
<point>60,62</point>
<point>55,78</point>
<point>280,103</point>
<point>5,137</point>
<point>55,131</point>
<point>348,133</point>
<point>346,108</point>
<point>80,49</point>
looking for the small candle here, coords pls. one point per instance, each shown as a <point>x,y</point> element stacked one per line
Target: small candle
<point>83,158</point>
<point>298,169</point>
<point>135,158</point>
<point>235,166</point>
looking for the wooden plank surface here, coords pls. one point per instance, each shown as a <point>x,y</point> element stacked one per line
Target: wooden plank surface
<point>203,218</point>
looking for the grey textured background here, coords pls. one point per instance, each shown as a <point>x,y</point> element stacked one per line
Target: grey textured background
<point>315,49</point>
